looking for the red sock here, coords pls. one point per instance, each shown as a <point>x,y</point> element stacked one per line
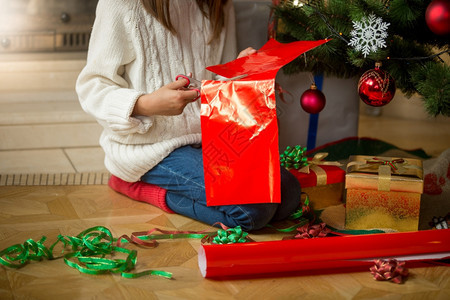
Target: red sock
<point>141,191</point>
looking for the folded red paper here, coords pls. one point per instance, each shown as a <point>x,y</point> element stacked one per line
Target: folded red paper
<point>265,63</point>
<point>239,127</point>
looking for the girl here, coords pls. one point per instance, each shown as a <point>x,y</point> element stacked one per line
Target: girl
<point>151,124</point>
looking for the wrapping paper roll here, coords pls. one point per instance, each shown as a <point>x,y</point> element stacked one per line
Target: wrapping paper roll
<point>337,254</point>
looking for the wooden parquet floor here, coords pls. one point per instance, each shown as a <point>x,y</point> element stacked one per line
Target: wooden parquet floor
<point>36,211</point>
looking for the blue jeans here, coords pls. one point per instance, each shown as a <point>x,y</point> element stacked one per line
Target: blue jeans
<point>181,174</point>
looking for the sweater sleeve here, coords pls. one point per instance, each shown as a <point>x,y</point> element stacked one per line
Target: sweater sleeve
<point>101,86</point>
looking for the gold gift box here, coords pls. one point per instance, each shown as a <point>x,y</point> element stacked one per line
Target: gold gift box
<point>383,192</point>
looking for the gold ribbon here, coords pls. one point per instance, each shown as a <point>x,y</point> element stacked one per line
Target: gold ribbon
<point>397,166</point>
<point>384,178</point>
<point>314,165</point>
<point>385,169</point>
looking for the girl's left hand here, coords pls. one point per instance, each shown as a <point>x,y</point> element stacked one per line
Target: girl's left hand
<point>246,52</point>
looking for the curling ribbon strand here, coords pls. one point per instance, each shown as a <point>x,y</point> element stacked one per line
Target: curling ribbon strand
<point>342,232</point>
<point>281,91</point>
<point>147,238</point>
<point>85,252</point>
<point>299,216</point>
<point>301,212</point>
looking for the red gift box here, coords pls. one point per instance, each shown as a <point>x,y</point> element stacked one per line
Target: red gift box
<point>333,175</point>
<point>323,181</point>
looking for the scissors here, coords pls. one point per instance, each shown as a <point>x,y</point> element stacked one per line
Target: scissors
<point>194,84</point>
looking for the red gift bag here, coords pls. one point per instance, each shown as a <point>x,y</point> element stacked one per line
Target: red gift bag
<point>239,127</point>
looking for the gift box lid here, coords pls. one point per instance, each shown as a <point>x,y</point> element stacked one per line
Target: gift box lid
<point>384,173</point>
<point>319,175</point>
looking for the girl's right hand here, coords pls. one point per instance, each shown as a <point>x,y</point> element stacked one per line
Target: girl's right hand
<point>169,100</point>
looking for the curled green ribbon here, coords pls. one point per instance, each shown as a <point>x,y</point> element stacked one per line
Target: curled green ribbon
<point>302,211</point>
<point>87,252</point>
<point>299,216</point>
<point>294,157</point>
<point>225,235</point>
<point>91,251</point>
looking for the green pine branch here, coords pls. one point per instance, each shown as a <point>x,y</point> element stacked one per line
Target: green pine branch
<point>409,56</point>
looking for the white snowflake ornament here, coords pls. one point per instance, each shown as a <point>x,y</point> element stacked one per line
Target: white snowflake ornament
<point>368,35</point>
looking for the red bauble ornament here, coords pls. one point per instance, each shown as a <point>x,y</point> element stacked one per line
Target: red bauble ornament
<point>376,87</point>
<point>437,16</point>
<point>312,100</point>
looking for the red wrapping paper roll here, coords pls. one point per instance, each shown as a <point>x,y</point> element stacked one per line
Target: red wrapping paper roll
<point>320,254</point>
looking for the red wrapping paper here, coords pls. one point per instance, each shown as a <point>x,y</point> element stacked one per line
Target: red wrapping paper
<point>240,143</point>
<point>239,127</point>
<point>319,255</point>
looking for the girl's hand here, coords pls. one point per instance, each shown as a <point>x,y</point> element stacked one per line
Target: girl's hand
<point>246,52</point>
<point>169,100</point>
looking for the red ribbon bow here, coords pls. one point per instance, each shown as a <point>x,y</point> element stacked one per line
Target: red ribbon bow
<point>312,231</point>
<point>389,270</point>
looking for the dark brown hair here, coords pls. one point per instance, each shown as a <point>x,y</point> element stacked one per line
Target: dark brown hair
<point>212,9</point>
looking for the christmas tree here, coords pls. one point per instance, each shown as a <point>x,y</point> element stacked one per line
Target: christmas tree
<point>396,33</point>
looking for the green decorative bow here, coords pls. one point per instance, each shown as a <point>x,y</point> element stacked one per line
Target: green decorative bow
<point>230,236</point>
<point>294,157</point>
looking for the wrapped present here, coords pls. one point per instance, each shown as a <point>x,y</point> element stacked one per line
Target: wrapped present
<point>323,181</point>
<point>383,192</point>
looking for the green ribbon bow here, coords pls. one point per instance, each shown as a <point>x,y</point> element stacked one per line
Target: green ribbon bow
<point>230,236</point>
<point>294,157</point>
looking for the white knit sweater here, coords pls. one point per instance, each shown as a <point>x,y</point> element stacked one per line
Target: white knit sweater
<point>131,54</point>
